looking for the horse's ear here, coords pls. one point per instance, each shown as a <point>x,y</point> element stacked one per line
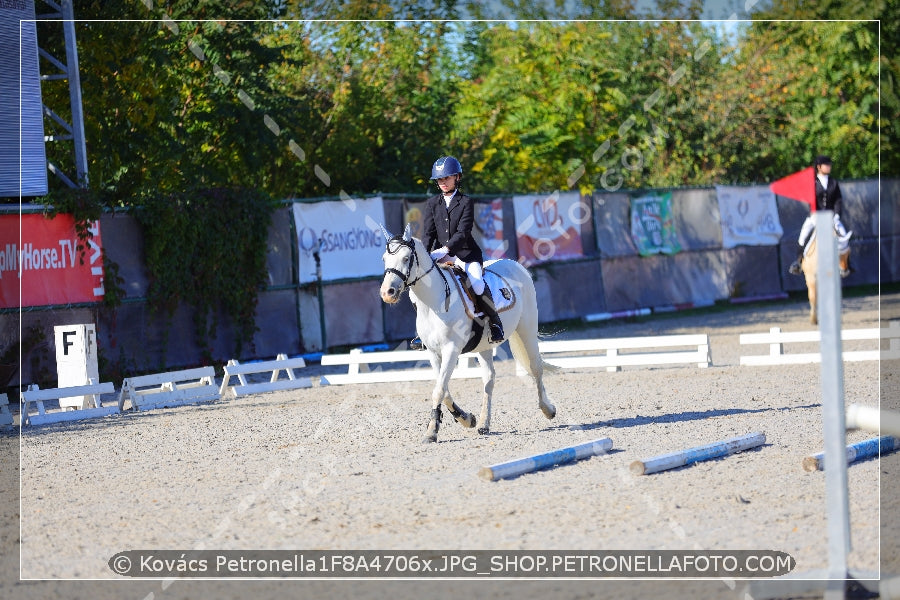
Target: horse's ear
<point>387,234</point>
<point>407,233</point>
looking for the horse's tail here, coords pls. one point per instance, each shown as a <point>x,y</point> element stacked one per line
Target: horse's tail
<point>548,368</point>
<point>526,354</point>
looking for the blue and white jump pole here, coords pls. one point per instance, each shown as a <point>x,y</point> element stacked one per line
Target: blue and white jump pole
<point>673,460</point>
<point>858,451</point>
<point>562,456</point>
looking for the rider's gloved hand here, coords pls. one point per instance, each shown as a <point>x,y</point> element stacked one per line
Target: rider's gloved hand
<point>440,253</point>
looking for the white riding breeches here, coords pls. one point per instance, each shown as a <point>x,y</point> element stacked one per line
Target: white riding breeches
<point>810,223</point>
<point>476,274</point>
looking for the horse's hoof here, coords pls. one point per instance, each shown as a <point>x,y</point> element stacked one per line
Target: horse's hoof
<point>549,410</point>
<point>484,430</point>
<point>429,439</point>
<point>470,423</point>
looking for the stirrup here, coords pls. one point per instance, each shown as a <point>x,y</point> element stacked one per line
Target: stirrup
<point>795,268</point>
<point>497,334</point>
<point>416,344</point>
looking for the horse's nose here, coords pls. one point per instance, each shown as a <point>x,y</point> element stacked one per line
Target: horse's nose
<point>389,294</point>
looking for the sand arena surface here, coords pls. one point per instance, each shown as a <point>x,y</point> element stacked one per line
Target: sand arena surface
<point>343,467</point>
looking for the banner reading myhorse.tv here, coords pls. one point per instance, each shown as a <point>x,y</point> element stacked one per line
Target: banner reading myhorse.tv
<point>652,225</point>
<point>47,263</point>
<point>345,233</point>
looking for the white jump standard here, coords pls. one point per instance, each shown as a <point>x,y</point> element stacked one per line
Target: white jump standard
<point>561,456</point>
<point>664,462</point>
<point>872,419</point>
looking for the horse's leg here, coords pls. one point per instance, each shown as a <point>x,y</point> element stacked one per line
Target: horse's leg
<point>488,372</point>
<point>528,355</point>
<point>434,424</point>
<point>813,318</point>
<point>445,364</point>
<point>462,417</point>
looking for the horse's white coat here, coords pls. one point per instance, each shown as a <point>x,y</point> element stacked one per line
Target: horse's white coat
<point>444,328</point>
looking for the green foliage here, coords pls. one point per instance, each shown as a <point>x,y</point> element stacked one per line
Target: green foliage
<point>207,248</point>
<point>541,98</point>
<point>350,96</point>
<point>825,78</point>
<point>86,206</point>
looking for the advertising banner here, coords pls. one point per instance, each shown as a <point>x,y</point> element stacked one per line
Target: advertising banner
<point>549,227</point>
<point>749,216</point>
<point>412,216</point>
<point>47,262</point>
<point>652,225</point>
<point>488,230</point>
<point>346,235</point>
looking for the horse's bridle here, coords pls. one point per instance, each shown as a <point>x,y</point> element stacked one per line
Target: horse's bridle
<point>404,277</point>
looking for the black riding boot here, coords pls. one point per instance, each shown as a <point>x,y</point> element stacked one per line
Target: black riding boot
<point>795,268</point>
<point>416,342</point>
<point>486,305</point>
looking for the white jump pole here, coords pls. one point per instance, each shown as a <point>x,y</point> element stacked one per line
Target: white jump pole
<point>548,459</point>
<point>673,460</point>
<point>858,451</point>
<point>837,503</point>
<point>872,419</point>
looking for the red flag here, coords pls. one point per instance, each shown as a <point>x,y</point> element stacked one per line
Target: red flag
<point>799,186</point>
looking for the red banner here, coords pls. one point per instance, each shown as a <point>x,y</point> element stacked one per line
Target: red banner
<point>47,263</point>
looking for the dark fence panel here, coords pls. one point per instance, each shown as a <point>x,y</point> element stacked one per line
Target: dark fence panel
<point>697,221</point>
<point>612,221</point>
<point>569,290</point>
<point>123,241</point>
<point>645,282</point>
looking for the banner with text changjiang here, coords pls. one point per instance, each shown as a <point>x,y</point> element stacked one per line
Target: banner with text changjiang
<point>549,227</point>
<point>47,262</point>
<point>346,234</point>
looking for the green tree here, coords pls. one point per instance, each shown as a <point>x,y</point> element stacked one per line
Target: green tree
<point>169,103</point>
<point>540,98</point>
<point>380,91</point>
<point>825,94</point>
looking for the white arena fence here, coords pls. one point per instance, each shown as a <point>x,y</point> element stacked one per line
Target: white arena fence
<point>188,386</point>
<point>776,339</point>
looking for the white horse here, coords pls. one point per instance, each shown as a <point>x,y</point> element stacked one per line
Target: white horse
<point>444,327</point>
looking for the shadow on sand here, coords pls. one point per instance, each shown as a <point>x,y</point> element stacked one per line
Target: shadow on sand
<point>693,415</point>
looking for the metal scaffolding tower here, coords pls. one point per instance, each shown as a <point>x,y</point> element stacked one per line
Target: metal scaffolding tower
<point>64,15</point>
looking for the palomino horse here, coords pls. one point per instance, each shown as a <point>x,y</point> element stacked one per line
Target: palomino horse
<point>444,327</point>
<point>811,263</point>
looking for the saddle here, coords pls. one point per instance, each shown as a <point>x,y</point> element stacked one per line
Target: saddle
<point>501,291</point>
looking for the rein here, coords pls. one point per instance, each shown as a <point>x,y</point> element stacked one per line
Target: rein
<point>404,277</point>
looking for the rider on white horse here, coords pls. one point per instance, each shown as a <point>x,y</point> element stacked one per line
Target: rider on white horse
<point>828,197</point>
<point>447,225</point>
